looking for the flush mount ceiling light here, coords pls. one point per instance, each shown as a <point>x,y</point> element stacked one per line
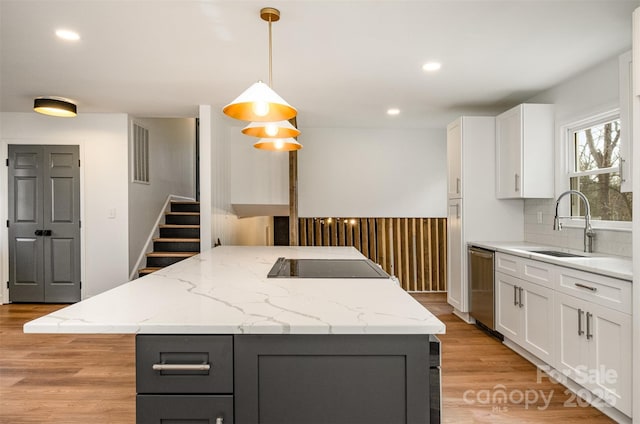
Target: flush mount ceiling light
<point>393,111</point>
<point>55,107</point>
<point>431,66</point>
<point>259,102</point>
<point>67,35</point>
<point>278,144</point>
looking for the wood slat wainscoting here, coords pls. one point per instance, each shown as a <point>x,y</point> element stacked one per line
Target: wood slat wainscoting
<point>412,249</point>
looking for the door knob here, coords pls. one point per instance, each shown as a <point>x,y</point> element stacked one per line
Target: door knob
<point>46,233</point>
<point>39,232</point>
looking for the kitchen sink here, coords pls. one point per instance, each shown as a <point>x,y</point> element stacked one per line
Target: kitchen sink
<point>557,254</point>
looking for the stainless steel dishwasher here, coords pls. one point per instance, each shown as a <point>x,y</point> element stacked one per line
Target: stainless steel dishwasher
<point>481,299</point>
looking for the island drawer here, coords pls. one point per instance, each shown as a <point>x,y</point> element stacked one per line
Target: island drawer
<point>181,364</point>
<point>157,409</point>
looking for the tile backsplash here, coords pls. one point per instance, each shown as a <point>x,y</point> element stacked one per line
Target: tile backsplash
<point>606,241</point>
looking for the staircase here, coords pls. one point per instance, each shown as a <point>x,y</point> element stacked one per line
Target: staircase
<point>179,237</point>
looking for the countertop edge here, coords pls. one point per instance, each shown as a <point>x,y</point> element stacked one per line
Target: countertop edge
<point>521,249</point>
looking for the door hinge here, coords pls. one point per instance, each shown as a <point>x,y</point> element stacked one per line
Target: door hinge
<point>79,224</point>
<point>80,284</point>
<point>7,285</point>
<point>7,162</point>
<point>78,163</point>
<point>7,223</point>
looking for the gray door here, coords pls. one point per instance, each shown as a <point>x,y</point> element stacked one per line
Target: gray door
<point>44,224</point>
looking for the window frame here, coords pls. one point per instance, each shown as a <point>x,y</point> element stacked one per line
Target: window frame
<point>567,133</point>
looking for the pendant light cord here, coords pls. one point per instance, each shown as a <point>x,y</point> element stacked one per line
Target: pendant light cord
<point>270,53</point>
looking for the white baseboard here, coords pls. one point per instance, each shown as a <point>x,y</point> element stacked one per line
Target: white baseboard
<point>464,316</point>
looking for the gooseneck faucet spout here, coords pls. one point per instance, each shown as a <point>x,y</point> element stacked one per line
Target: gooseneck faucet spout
<point>588,231</point>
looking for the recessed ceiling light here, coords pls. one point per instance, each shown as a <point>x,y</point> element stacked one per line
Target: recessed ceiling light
<point>393,111</point>
<point>431,66</point>
<point>67,34</point>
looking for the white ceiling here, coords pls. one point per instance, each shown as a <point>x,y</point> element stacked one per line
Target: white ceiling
<point>341,63</point>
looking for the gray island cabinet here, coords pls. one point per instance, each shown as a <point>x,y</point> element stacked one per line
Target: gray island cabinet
<point>217,342</point>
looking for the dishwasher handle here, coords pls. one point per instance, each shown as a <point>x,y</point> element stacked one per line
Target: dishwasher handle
<point>481,253</point>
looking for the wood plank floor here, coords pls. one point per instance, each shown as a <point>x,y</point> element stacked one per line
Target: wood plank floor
<point>91,378</point>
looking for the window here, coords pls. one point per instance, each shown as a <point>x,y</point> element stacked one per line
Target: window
<point>595,169</point>
<point>140,154</point>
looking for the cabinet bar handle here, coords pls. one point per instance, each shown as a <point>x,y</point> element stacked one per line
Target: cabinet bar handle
<point>517,183</point>
<point>582,286</point>
<point>520,297</point>
<point>515,295</point>
<point>458,185</point>
<point>622,178</point>
<point>580,313</point>
<point>480,254</point>
<point>181,367</point>
<point>589,334</point>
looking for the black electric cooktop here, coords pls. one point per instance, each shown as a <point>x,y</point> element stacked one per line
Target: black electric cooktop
<point>326,268</point>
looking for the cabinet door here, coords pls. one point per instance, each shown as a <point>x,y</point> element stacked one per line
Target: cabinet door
<point>340,379</point>
<point>572,355</point>
<point>509,153</point>
<point>609,340</point>
<point>456,264</point>
<point>537,320</point>
<point>454,159</point>
<point>508,306</point>
<point>625,83</point>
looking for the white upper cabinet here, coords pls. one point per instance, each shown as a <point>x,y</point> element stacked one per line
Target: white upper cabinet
<point>454,160</point>
<point>524,152</point>
<point>626,120</point>
<point>636,51</point>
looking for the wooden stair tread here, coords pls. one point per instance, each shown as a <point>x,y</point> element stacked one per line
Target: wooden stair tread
<point>172,254</point>
<point>149,269</point>
<point>177,239</point>
<point>183,213</point>
<point>179,226</point>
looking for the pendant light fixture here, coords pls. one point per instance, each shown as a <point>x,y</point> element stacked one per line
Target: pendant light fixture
<point>259,102</point>
<point>281,129</point>
<point>278,144</point>
<point>271,115</point>
<point>55,107</point>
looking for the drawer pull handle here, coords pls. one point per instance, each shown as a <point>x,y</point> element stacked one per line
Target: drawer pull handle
<point>582,286</point>
<point>181,367</point>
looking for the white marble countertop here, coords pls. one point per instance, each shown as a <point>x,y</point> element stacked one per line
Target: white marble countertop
<point>225,291</point>
<point>611,266</point>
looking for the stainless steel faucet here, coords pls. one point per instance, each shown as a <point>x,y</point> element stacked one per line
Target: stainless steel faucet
<point>588,231</point>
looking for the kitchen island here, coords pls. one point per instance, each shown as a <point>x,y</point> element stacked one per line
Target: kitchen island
<point>218,340</point>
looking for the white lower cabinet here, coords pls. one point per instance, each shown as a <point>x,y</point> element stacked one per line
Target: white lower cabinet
<point>524,314</point>
<point>577,322</point>
<point>594,349</point>
<point>456,264</point>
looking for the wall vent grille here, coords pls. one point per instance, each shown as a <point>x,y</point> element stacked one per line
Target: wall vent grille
<point>140,154</point>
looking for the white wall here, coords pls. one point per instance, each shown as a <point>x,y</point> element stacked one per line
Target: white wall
<point>364,172</point>
<point>258,177</point>
<point>103,183</point>
<point>171,171</point>
<point>593,91</point>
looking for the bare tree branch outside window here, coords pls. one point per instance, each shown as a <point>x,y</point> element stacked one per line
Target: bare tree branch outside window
<point>597,172</point>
